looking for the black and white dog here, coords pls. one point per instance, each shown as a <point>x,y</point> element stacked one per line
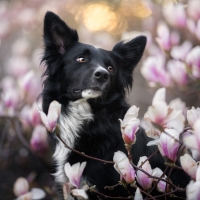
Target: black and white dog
<point>90,83</point>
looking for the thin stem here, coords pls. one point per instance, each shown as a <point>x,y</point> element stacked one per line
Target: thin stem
<point>82,153</point>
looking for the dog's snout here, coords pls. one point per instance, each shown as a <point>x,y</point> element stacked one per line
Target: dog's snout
<point>101,75</point>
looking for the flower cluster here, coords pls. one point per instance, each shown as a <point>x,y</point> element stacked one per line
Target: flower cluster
<point>174,59</point>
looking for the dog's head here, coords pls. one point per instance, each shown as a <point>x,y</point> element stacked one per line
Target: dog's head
<point>75,70</point>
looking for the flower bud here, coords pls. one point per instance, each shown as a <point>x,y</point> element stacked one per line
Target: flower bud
<point>21,186</point>
<point>123,167</point>
<point>189,165</point>
<point>144,180</point>
<point>39,139</point>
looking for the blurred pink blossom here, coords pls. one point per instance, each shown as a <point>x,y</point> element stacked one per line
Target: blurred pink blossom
<point>21,47</point>
<point>17,65</point>
<point>180,52</point>
<point>175,14</point>
<point>74,173</point>
<point>193,115</point>
<point>39,139</point>
<point>166,39</point>
<point>11,98</point>
<point>144,180</point>
<point>4,28</point>
<point>7,82</point>
<point>50,119</point>
<point>198,30</point>
<point>154,71</point>
<point>178,71</point>
<point>191,26</point>
<point>193,60</point>
<point>34,115</point>
<point>123,167</point>
<point>189,165</point>
<point>26,81</point>
<point>21,186</point>
<point>193,9</point>
<point>130,125</point>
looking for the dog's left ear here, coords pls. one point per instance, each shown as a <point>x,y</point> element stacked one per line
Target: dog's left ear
<point>57,35</point>
<point>130,52</point>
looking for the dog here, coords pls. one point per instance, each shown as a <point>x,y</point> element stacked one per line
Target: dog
<point>90,83</point>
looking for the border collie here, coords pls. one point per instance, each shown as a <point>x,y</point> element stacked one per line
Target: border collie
<point>90,83</point>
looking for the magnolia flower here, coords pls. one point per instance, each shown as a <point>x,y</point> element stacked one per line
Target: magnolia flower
<point>50,119</point>
<point>123,167</point>
<point>192,189</point>
<point>21,186</point>
<point>34,115</point>
<point>167,144</point>
<point>175,14</point>
<point>178,104</point>
<point>39,139</point>
<point>144,180</point>
<point>26,81</point>
<point>68,189</point>
<point>178,71</point>
<point>193,140</point>
<point>193,9</point>
<point>180,52</point>
<point>193,115</point>
<point>138,195</point>
<point>161,114</point>
<point>80,193</point>
<point>189,165</point>
<point>193,60</point>
<point>74,173</point>
<point>130,125</point>
<point>154,71</point>
<point>11,98</point>
<point>166,39</point>
<point>161,186</point>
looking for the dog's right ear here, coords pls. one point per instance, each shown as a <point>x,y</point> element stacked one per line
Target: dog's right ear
<point>57,35</point>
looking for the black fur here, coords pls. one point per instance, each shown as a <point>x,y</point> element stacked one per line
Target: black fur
<point>65,77</point>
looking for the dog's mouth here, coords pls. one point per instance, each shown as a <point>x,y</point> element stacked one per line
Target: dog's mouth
<point>87,93</point>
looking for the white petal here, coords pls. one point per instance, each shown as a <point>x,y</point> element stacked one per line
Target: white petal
<point>138,195</point>
<point>80,193</point>
<point>159,96</point>
<point>153,142</point>
<point>37,193</point>
<point>44,119</point>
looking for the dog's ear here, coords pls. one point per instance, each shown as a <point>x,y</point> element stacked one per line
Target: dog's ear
<point>57,35</point>
<point>129,54</point>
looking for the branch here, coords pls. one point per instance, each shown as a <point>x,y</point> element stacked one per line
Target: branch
<point>82,153</point>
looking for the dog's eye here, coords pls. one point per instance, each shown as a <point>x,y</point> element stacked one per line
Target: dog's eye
<point>81,59</point>
<point>110,68</point>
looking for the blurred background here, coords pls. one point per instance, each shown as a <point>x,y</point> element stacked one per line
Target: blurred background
<point>171,60</point>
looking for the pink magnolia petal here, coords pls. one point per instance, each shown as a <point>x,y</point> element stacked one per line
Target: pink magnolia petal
<point>189,165</point>
<point>45,120</point>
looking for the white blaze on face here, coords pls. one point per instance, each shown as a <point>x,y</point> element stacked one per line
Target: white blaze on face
<point>89,93</point>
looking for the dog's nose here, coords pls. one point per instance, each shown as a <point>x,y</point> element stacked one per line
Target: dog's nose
<point>101,75</point>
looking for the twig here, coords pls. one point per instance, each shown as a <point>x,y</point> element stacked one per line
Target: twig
<point>82,153</point>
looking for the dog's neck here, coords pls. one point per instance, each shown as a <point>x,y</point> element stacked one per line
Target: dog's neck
<point>71,122</point>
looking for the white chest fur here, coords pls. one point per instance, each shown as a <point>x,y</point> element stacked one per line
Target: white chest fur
<point>70,126</point>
